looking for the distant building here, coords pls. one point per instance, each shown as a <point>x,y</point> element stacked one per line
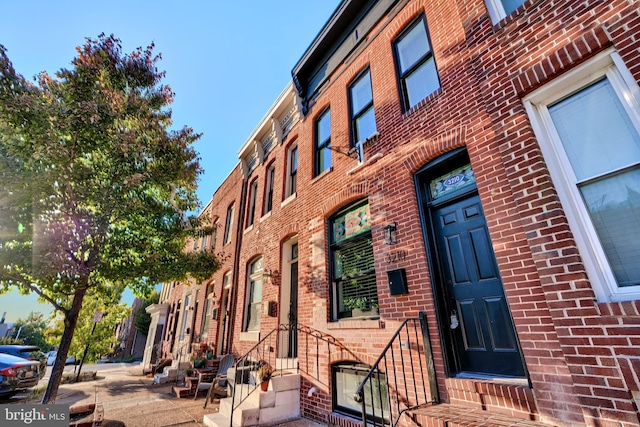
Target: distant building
<point>132,342</point>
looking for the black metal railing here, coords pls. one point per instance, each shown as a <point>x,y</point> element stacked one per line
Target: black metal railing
<point>276,350</point>
<point>401,379</point>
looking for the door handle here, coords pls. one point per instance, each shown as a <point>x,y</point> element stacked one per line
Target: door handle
<point>454,320</point>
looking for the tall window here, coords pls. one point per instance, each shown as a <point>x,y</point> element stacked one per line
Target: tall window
<point>185,318</point>
<point>417,73</point>
<point>205,242</point>
<point>588,124</point>
<point>292,171</point>
<point>214,235</point>
<point>228,224</point>
<point>499,9</point>
<point>323,142</point>
<point>253,192</point>
<point>204,333</point>
<point>268,197</point>
<point>354,291</point>
<point>363,118</point>
<point>254,296</point>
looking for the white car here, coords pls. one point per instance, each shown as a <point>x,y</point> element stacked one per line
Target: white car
<point>51,358</point>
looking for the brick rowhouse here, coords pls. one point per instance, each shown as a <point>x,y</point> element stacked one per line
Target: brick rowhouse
<point>499,76</point>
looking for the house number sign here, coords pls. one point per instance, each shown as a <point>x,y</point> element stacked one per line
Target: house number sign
<point>396,256</point>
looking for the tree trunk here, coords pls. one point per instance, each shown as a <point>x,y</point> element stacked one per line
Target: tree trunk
<point>57,370</point>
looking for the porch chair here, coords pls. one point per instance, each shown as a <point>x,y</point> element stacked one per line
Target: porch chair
<point>205,382</point>
<point>220,379</point>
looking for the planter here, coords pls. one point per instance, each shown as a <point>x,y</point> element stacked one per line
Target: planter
<point>264,385</point>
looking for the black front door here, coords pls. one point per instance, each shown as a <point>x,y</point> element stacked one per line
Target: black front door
<point>476,313</point>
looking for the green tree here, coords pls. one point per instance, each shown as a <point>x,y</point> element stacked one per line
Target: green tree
<point>99,340</point>
<point>94,183</point>
<point>142,319</point>
<point>32,330</point>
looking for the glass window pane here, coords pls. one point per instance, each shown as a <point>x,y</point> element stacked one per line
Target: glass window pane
<point>595,131</point>
<point>511,5</point>
<point>324,158</point>
<point>422,82</point>
<point>324,128</point>
<point>412,47</point>
<point>256,290</point>
<point>614,207</point>
<point>361,94</point>
<point>365,125</point>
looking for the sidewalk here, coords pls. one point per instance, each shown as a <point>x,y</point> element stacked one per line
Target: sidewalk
<point>132,400</point>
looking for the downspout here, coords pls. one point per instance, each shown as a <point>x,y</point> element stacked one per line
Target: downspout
<point>236,267</point>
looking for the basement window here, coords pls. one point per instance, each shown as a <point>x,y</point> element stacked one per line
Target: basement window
<point>346,378</point>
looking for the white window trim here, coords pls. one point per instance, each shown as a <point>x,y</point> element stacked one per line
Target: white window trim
<point>609,64</point>
<point>248,297</point>
<point>496,10</point>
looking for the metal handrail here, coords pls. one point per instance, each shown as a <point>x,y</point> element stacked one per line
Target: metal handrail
<point>248,364</point>
<point>402,378</point>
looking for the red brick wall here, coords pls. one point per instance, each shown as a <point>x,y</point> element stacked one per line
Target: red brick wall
<point>582,357</point>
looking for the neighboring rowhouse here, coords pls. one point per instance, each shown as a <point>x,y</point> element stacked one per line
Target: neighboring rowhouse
<point>474,164</point>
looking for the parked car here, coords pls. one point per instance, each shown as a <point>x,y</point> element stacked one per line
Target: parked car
<point>29,352</point>
<point>51,358</point>
<point>17,374</point>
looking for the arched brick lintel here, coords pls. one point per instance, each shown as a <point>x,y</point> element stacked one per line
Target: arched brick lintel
<point>432,148</point>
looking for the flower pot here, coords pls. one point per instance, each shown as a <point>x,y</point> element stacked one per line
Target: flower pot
<point>264,385</point>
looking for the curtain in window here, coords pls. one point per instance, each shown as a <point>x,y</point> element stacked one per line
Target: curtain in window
<point>603,147</point>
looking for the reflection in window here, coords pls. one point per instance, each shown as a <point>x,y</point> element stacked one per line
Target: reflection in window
<point>415,64</point>
<point>323,142</point>
<point>363,119</point>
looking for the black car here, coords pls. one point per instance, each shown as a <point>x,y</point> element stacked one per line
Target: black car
<point>29,352</point>
<point>17,374</point>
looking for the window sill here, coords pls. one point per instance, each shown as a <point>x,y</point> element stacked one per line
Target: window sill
<point>248,229</point>
<point>422,103</point>
<point>265,216</point>
<point>322,174</point>
<point>356,324</point>
<point>250,336</point>
<point>370,161</point>
<point>288,200</point>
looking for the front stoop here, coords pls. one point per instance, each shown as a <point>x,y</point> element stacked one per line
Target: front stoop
<point>262,408</point>
<point>446,415</point>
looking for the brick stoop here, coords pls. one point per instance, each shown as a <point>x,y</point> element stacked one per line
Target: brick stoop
<point>446,415</point>
<point>181,392</point>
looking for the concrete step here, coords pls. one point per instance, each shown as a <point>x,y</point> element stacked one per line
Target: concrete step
<point>278,404</point>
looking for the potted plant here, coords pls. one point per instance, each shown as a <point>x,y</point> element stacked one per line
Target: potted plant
<point>198,361</point>
<point>264,374</point>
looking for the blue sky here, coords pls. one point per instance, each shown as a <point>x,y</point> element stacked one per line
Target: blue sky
<point>226,62</point>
